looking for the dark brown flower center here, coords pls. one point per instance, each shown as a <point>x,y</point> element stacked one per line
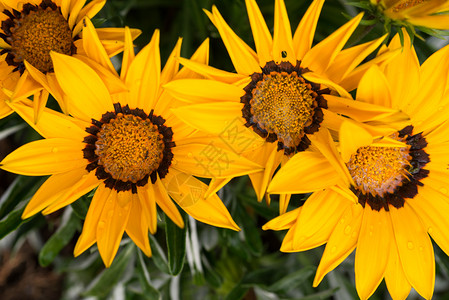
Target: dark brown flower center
<point>34,32</point>
<point>127,147</point>
<point>385,176</point>
<point>280,105</point>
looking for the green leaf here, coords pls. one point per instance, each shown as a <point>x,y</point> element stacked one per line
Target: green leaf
<point>158,256</point>
<point>60,239</point>
<point>12,222</point>
<point>81,206</point>
<point>251,233</point>
<point>176,244</point>
<point>105,282</point>
<point>320,295</point>
<point>237,293</point>
<point>148,291</point>
<point>292,280</point>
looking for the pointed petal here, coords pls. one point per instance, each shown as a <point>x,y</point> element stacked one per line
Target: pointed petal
<point>303,38</point>
<point>188,193</point>
<point>128,53</point>
<point>172,65</point>
<point>397,283</point>
<point>284,200</point>
<point>261,34</point>
<point>45,157</point>
<point>111,226</point>
<point>323,54</point>
<point>51,189</point>
<point>415,250</point>
<point>137,227</point>
<point>319,215</point>
<point>143,77</point>
<point>82,85</point>
<point>215,185</point>
<point>284,221</point>
<point>341,243</point>
<point>200,56</point>
<point>147,200</point>
<point>75,9</point>
<point>373,248</point>
<point>40,101</point>
<point>166,203</point>
<point>282,36</point>
<point>243,57</point>
<point>89,234</point>
<point>91,9</point>
<point>374,88</point>
<point>315,77</point>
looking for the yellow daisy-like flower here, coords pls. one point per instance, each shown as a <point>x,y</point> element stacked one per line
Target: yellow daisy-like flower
<point>425,13</point>
<point>30,31</point>
<point>276,100</point>
<point>383,196</point>
<point>128,146</point>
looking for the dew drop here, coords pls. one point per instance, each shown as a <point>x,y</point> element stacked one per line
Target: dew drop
<point>421,248</point>
<point>370,233</point>
<point>440,108</point>
<point>101,225</point>
<point>348,230</point>
<point>54,150</point>
<point>443,190</point>
<point>410,245</point>
<point>333,249</point>
<point>430,230</point>
<point>110,213</point>
<point>354,234</point>
<point>190,154</point>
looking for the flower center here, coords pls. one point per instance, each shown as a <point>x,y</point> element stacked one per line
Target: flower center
<point>386,176</point>
<point>126,147</point>
<point>282,106</point>
<point>379,170</point>
<point>129,147</point>
<point>407,4</point>
<point>34,32</point>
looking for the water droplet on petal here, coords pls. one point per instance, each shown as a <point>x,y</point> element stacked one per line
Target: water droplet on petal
<point>190,154</point>
<point>110,213</point>
<point>410,245</point>
<point>54,150</point>
<point>443,190</point>
<point>354,234</point>
<point>101,225</point>
<point>348,230</point>
<point>370,233</point>
<point>430,230</point>
<point>333,249</point>
<point>421,248</point>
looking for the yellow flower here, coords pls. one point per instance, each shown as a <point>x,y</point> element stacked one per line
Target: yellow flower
<point>276,100</point>
<point>425,13</point>
<point>30,30</point>
<point>383,196</point>
<point>128,146</point>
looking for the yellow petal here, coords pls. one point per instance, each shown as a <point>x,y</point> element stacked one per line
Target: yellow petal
<point>284,200</point>
<point>315,77</point>
<point>74,12</point>
<point>91,9</point>
<point>143,77</point>
<point>243,57</point>
<point>39,102</point>
<point>374,88</point>
<point>188,193</point>
<point>137,227</point>
<point>314,169</point>
<point>89,234</point>
<point>26,85</point>
<point>352,137</point>
<point>172,65</point>
<point>201,56</point>
<point>341,243</point>
<point>323,54</point>
<point>166,204</point>
<point>397,284</point>
<point>319,215</point>
<point>373,249</point>
<point>204,90</point>
<point>261,34</point>
<point>303,38</point>
<point>93,48</point>
<point>128,53</point>
<point>215,185</point>
<point>415,250</point>
<point>212,161</point>
<point>285,221</point>
<point>282,36</point>
<point>434,21</point>
<point>45,157</point>
<point>147,200</point>
<point>87,183</point>
<point>51,189</point>
<point>111,226</point>
<point>51,124</point>
<point>82,85</point>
